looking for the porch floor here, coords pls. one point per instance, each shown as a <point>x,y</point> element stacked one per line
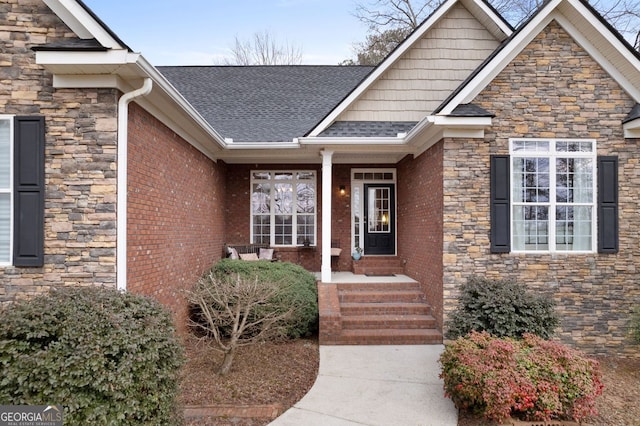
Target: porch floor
<point>350,277</point>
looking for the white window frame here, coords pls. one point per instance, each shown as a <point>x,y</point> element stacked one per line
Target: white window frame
<point>552,155</point>
<point>294,182</point>
<point>9,190</point>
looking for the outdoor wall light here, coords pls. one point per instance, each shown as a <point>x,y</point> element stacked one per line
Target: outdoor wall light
<point>343,190</point>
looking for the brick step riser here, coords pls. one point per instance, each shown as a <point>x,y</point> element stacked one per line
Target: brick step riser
<point>349,324</point>
<point>381,309</point>
<point>385,340</point>
<point>377,270</point>
<point>412,286</point>
<point>365,297</point>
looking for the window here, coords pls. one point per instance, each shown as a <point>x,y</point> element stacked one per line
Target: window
<point>283,207</point>
<point>553,195</point>
<point>6,193</point>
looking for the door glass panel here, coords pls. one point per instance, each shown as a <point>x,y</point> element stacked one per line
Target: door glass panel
<point>379,210</point>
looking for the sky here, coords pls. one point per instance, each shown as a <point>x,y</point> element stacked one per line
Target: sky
<point>202,32</point>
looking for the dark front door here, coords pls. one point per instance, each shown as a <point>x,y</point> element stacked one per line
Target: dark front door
<point>379,219</point>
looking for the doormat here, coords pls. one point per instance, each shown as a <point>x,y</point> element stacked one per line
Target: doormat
<point>379,275</point>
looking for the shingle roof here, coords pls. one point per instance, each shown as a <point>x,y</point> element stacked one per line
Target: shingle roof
<point>633,114</point>
<point>264,103</point>
<point>470,110</point>
<point>368,128</point>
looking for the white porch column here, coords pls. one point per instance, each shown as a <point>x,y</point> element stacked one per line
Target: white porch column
<point>325,270</point>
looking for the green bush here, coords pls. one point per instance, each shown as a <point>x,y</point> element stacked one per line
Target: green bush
<point>503,309</point>
<point>530,379</point>
<point>298,284</point>
<point>107,357</point>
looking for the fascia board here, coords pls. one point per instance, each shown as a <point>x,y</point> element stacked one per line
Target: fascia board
<point>109,57</point>
<point>461,122</point>
<point>383,67</point>
<point>261,145</point>
<point>491,14</point>
<point>632,129</point>
<point>81,22</point>
<point>351,141</point>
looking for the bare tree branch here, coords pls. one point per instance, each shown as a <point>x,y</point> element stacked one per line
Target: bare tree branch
<point>237,312</point>
<point>263,49</point>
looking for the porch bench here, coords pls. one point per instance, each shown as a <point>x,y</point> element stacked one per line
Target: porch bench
<point>249,249</point>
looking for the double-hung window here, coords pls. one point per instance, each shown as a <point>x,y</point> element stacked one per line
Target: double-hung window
<point>553,195</point>
<point>6,189</point>
<point>283,207</point>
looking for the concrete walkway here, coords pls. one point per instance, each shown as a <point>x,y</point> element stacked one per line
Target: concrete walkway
<point>375,385</point>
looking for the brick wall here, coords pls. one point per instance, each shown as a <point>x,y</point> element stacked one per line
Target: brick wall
<point>175,212</point>
<point>238,211</point>
<point>552,89</point>
<point>80,157</point>
<point>420,235</point>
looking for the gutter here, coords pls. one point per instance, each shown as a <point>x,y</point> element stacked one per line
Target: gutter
<point>121,207</point>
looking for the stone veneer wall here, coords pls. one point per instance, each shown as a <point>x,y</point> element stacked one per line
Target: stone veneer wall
<point>175,212</point>
<point>420,235</point>
<point>80,218</point>
<point>553,89</point>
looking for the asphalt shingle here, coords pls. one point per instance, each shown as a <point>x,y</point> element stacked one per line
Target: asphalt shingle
<point>264,103</point>
<point>368,128</point>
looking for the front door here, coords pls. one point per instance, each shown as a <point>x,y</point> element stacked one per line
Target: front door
<point>379,219</point>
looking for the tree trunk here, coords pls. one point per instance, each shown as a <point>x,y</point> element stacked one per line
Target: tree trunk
<point>225,368</point>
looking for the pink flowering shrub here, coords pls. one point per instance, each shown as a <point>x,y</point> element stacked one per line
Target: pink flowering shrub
<point>530,379</point>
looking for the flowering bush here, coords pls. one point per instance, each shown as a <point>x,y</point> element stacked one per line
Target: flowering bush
<point>532,378</point>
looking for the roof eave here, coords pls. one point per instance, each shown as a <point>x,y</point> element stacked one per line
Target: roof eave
<point>123,70</point>
<point>632,129</point>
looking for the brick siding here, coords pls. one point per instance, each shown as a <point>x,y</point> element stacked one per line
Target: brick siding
<point>175,212</point>
<point>80,157</point>
<point>553,89</point>
<point>420,236</point>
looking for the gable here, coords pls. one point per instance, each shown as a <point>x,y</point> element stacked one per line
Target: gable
<point>554,89</point>
<point>427,73</point>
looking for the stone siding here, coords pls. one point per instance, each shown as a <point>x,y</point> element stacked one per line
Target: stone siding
<point>553,89</point>
<point>80,157</point>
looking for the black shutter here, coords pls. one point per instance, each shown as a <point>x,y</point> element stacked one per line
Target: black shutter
<point>28,239</point>
<point>500,204</point>
<point>607,204</point>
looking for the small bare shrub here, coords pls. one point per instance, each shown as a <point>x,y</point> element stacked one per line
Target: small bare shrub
<point>235,311</point>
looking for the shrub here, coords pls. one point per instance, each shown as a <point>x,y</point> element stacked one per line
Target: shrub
<point>532,378</point>
<point>107,357</point>
<point>235,311</point>
<point>298,287</point>
<point>503,309</point>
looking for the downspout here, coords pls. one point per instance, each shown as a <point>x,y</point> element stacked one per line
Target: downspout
<point>121,207</point>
